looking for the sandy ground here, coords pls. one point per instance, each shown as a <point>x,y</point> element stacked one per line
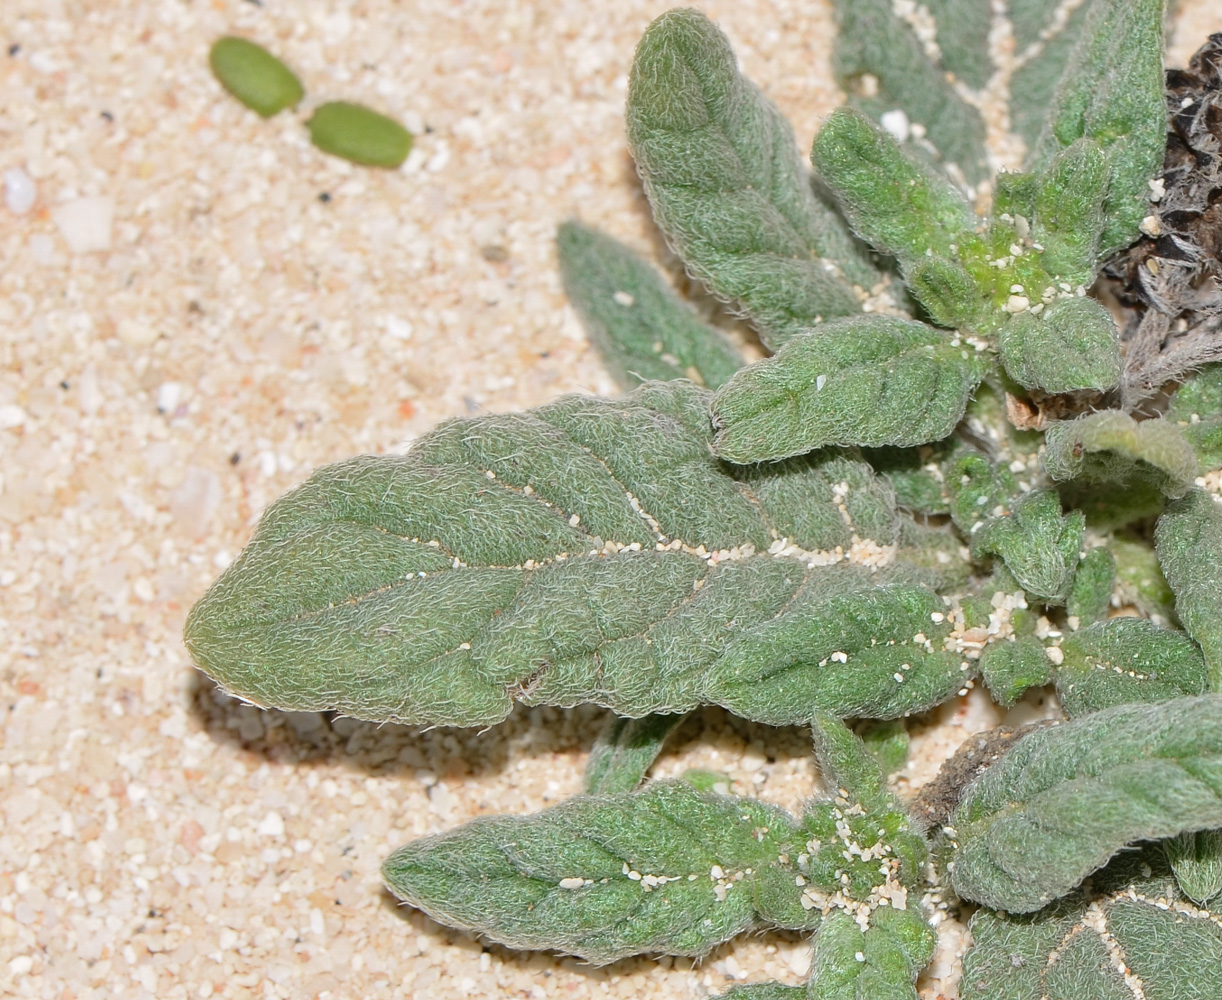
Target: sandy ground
<point>197,310</point>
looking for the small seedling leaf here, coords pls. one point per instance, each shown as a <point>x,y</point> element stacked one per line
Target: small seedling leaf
<point>360,134</point>
<point>254,76</point>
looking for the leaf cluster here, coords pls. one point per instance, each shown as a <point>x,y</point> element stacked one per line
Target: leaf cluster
<point>939,476</point>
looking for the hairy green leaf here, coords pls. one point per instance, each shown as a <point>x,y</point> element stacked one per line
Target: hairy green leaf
<point>874,380</point>
<point>885,67</point>
<point>1039,544</point>
<point>978,488</point>
<point>601,877</point>
<point>891,199</point>
<point>1124,660</point>
<point>1112,93</point>
<point>1011,668</point>
<point>642,329</point>
<point>1066,799</point>
<point>880,962</point>
<point>625,750</point>
<point>1196,859</point>
<point>1091,593</point>
<point>1046,32</point>
<point>667,868</point>
<point>846,763</point>
<point>1130,927</point>
<point>1069,216</point>
<point>1196,408</point>
<point>1139,578</point>
<point>1188,540</point>
<point>764,991</point>
<point>887,742</point>
<point>1071,345</point>
<point>587,551</point>
<point>727,185</point>
<point>1110,446</point>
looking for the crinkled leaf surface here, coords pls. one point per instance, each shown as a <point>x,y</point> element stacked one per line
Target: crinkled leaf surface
<point>1069,346</point>
<point>1064,800</point>
<point>625,750</point>
<point>1039,544</point>
<point>880,962</point>
<point>1188,540</point>
<point>1130,917</point>
<point>642,329</point>
<point>1196,859</point>
<point>601,877</point>
<point>873,380</point>
<point>728,187</point>
<point>1091,593</point>
<point>1110,446</point>
<point>1112,92</point>
<point>589,550</point>
<point>1124,660</point>
<point>1011,668</point>
<point>664,869</point>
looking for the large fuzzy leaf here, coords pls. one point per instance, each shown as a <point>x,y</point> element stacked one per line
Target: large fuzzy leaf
<point>874,380</point>
<point>1064,800</point>
<point>590,550</point>
<point>1130,933</point>
<point>640,326</point>
<point>727,184</point>
<point>667,868</point>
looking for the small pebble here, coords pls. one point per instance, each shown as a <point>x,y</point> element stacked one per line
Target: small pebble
<point>86,223</point>
<point>19,191</point>
<point>896,122</point>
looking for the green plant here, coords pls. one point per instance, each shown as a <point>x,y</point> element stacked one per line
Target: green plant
<point>952,467</point>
